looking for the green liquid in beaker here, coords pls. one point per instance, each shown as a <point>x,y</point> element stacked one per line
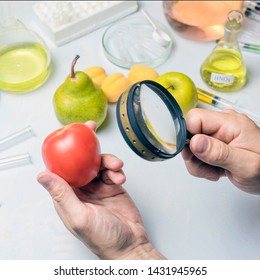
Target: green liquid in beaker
<point>23,67</point>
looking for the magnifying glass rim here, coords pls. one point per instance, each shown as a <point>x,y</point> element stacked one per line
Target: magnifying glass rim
<point>174,110</point>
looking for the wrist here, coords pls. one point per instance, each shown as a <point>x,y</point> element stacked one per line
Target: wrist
<point>142,252</point>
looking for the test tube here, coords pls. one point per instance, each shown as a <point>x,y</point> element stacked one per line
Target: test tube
<point>14,161</point>
<point>16,137</point>
<point>223,104</point>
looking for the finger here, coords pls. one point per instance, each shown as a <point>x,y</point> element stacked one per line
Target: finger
<point>92,125</point>
<point>186,153</point>
<point>212,123</point>
<point>217,153</point>
<point>200,169</point>
<point>61,192</point>
<point>211,150</point>
<point>110,177</point>
<point>111,162</point>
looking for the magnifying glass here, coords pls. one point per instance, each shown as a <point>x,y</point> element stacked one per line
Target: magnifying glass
<point>151,121</point>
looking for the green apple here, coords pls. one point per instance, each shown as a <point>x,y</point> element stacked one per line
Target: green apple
<point>182,89</point>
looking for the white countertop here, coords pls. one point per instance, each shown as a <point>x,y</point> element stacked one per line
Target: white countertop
<point>185,217</point>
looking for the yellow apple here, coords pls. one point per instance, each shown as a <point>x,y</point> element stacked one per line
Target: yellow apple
<point>182,88</point>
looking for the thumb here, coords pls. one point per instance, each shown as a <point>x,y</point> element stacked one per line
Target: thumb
<point>92,125</point>
<point>214,152</point>
<point>61,192</point>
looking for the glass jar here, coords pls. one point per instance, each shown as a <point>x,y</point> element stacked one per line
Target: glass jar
<point>199,20</point>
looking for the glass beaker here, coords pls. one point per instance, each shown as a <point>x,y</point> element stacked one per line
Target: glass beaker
<point>199,20</point>
<point>24,56</point>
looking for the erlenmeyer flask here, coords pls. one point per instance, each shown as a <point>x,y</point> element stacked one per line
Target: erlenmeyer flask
<point>224,69</point>
<point>24,56</point>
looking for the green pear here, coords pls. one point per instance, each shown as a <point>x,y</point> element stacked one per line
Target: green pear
<point>78,99</point>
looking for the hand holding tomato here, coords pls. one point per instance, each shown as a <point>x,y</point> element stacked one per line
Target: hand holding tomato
<point>101,214</point>
<point>73,153</point>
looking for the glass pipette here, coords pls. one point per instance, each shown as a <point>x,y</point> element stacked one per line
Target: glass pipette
<point>223,104</point>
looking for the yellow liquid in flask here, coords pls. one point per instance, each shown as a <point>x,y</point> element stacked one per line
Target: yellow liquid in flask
<point>224,70</point>
<point>23,67</point>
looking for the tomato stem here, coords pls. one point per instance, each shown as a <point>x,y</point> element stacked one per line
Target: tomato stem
<point>72,72</point>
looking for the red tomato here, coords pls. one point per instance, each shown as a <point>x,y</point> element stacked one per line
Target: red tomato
<point>73,153</point>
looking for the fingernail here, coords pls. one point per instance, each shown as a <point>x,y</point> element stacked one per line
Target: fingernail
<point>202,145</point>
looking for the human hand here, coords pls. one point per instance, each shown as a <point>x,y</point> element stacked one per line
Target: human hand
<point>102,214</point>
<point>224,144</point>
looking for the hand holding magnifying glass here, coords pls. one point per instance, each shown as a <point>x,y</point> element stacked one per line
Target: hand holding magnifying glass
<point>151,120</point>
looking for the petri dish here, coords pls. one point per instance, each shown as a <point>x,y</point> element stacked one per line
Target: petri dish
<point>130,41</point>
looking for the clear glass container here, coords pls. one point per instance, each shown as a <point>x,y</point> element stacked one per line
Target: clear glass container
<point>24,56</point>
<point>135,40</point>
<point>199,20</point>
<point>224,69</point>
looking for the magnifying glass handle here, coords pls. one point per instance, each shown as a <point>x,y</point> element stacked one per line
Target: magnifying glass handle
<point>188,137</point>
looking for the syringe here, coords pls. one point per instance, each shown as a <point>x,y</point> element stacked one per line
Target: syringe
<point>252,14</point>
<point>253,5</point>
<point>223,104</point>
<point>249,47</point>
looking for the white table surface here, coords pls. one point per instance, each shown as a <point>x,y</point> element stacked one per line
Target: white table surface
<point>185,217</point>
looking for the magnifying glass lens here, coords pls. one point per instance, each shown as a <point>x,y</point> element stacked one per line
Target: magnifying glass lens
<point>151,121</point>
<point>155,120</point>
